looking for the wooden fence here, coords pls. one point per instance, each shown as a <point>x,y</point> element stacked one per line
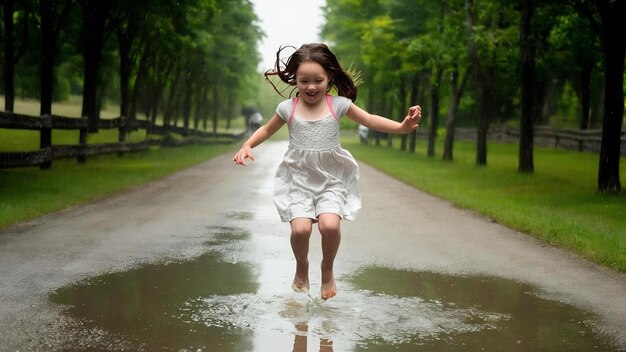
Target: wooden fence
<point>80,151</point>
<point>568,139</point>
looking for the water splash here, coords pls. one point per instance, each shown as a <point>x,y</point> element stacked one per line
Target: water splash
<point>357,316</point>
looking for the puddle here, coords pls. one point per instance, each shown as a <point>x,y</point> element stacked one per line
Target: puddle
<point>242,215</point>
<point>146,305</point>
<point>529,322</point>
<point>231,300</point>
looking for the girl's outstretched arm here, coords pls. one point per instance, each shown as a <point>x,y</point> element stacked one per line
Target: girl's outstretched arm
<point>258,137</point>
<point>383,124</point>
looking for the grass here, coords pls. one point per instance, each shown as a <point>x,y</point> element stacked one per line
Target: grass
<point>29,193</point>
<point>559,203</point>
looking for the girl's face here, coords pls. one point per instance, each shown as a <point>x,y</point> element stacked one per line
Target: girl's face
<point>312,82</point>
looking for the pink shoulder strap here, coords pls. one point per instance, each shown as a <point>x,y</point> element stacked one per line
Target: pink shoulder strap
<point>329,100</point>
<point>293,110</point>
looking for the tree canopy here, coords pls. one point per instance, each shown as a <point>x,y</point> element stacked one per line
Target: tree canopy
<point>560,50</point>
<point>184,59</point>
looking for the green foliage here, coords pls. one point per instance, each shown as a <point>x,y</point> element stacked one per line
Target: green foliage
<point>552,205</point>
<point>566,115</point>
<point>394,41</point>
<point>189,43</point>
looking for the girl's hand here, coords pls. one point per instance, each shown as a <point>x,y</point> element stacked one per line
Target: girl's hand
<point>242,154</point>
<point>412,120</point>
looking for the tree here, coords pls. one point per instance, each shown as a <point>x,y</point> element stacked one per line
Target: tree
<point>126,31</point>
<point>9,64</point>
<point>436,68</point>
<point>16,42</point>
<point>492,39</point>
<point>458,80</point>
<point>608,18</point>
<point>52,20</point>
<point>613,21</point>
<point>457,68</point>
<point>527,54</point>
<point>95,15</point>
<point>483,75</point>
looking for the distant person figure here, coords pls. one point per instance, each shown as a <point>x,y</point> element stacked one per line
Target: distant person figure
<point>255,121</point>
<point>247,112</point>
<point>317,181</point>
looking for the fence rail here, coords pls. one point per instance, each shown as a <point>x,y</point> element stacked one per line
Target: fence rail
<point>81,151</point>
<point>568,139</point>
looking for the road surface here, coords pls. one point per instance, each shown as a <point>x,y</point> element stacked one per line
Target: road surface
<point>399,227</point>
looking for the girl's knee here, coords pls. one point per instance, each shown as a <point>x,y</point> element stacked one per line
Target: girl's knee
<point>329,224</point>
<point>301,229</point>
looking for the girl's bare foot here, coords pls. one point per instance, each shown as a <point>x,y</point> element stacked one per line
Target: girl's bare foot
<point>301,280</point>
<point>300,287</point>
<point>329,289</point>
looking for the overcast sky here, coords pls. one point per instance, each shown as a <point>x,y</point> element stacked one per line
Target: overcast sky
<point>292,22</point>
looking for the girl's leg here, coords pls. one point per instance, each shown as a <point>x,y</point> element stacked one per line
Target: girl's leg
<point>329,226</point>
<point>300,234</point>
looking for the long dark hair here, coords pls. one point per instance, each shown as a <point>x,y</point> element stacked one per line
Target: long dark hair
<point>316,52</point>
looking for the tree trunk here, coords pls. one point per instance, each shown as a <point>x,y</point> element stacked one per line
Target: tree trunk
<point>386,110</point>
<point>456,91</point>
<point>544,102</point>
<point>483,80</point>
<point>215,107</point>
<point>198,110</point>
<point>169,108</point>
<point>48,46</point>
<point>527,51</point>
<point>414,93</point>
<point>613,28</point>
<point>9,63</point>
<point>403,108</point>
<point>125,38</point>
<point>93,43</point>
<point>483,123</point>
<point>585,96</point>
<point>187,100</point>
<point>597,100</point>
<point>231,107</point>
<point>138,85</point>
<point>434,113</point>
<point>165,68</point>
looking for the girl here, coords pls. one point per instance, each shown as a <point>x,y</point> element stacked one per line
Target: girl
<point>317,182</point>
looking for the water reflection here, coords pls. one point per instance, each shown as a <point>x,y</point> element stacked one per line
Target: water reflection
<point>236,298</point>
<point>355,317</point>
<point>533,324</point>
<point>146,306</point>
<point>300,343</point>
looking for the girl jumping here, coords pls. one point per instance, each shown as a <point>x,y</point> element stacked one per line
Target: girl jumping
<point>317,181</point>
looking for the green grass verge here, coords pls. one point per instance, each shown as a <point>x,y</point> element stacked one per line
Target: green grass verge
<point>558,204</point>
<point>29,193</point>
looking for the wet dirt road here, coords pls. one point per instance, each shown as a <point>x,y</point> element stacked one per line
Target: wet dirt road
<point>199,261</point>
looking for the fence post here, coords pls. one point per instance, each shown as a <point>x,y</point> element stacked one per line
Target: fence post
<point>581,141</point>
<point>45,139</point>
<point>122,133</point>
<point>82,140</point>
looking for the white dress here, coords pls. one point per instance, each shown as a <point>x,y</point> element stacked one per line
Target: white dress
<point>317,175</point>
